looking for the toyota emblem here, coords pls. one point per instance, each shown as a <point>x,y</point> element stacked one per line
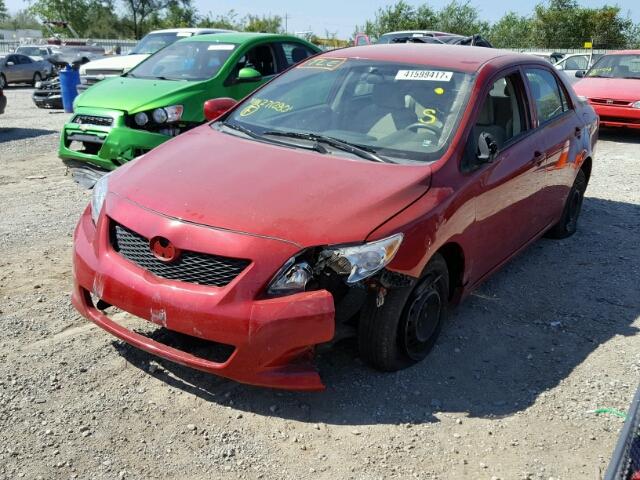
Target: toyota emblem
<point>163,249</point>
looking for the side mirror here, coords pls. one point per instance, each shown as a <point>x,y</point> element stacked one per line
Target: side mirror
<point>580,73</point>
<point>215,108</point>
<point>487,148</point>
<point>248,74</point>
<point>10,64</point>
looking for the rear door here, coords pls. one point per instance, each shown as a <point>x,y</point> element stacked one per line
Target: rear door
<point>12,72</point>
<point>559,132</point>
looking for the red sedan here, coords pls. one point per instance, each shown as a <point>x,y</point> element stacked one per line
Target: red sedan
<point>360,193</point>
<point>612,87</point>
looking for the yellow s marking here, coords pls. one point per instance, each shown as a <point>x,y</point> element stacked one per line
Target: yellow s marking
<point>429,116</point>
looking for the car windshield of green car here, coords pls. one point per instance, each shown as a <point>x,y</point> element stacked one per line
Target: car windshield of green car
<point>155,41</point>
<point>188,60</point>
<point>616,66</point>
<point>403,113</point>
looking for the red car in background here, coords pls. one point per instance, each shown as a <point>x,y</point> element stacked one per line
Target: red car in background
<point>360,193</point>
<point>612,87</point>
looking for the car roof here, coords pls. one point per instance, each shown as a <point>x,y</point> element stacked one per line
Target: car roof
<point>190,30</point>
<point>239,37</point>
<point>624,52</point>
<point>458,57</point>
<point>416,31</point>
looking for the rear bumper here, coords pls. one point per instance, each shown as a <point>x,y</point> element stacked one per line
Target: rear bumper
<point>616,116</point>
<point>272,339</point>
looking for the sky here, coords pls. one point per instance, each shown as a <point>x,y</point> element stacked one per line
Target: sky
<point>342,15</point>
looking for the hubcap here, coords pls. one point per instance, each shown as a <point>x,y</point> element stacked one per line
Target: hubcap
<point>422,321</point>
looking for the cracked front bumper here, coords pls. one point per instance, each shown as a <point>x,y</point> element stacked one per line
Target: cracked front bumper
<point>273,339</point>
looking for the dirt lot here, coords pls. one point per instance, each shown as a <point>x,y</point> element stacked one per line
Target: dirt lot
<point>508,393</point>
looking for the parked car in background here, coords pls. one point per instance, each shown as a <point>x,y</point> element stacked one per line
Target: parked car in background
<point>3,101</point>
<point>572,63</point>
<point>97,70</point>
<point>551,57</point>
<point>124,117</point>
<point>75,54</point>
<point>361,39</point>
<point>360,193</point>
<point>612,87</point>
<point>471,41</point>
<point>390,36</point>
<point>16,68</point>
<point>36,52</point>
<point>48,94</point>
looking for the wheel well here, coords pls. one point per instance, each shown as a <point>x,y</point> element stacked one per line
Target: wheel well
<point>454,256</point>
<point>586,168</point>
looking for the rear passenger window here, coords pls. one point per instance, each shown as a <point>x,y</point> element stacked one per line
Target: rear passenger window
<point>295,53</point>
<point>549,97</point>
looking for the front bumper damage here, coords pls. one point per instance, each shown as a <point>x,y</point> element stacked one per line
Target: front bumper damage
<point>272,339</point>
<point>100,139</point>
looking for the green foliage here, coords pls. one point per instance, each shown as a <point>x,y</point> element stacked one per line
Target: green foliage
<point>461,18</point>
<point>4,14</point>
<point>266,24</point>
<point>228,21</point>
<point>511,31</point>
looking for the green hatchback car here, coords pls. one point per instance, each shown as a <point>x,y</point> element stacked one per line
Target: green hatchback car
<point>124,117</point>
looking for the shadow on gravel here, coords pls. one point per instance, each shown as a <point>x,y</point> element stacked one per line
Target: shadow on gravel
<point>12,134</point>
<point>620,135</point>
<point>521,334</point>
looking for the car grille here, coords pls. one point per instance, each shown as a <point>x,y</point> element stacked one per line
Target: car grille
<point>609,102</point>
<point>103,72</point>
<point>93,120</point>
<point>191,267</point>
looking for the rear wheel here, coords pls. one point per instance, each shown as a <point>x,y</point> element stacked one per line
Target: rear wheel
<point>404,329</point>
<point>3,82</point>
<point>568,223</point>
<point>36,78</point>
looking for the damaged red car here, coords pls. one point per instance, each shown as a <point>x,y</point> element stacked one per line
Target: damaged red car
<point>360,193</point>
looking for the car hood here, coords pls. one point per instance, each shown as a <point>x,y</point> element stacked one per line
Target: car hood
<point>613,88</point>
<point>219,180</point>
<point>123,63</point>
<point>136,94</point>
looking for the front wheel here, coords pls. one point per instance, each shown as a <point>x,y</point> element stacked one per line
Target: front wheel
<point>568,223</point>
<point>404,329</point>
<point>3,82</point>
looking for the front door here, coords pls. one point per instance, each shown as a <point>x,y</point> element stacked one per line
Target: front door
<point>261,58</point>
<point>510,182</point>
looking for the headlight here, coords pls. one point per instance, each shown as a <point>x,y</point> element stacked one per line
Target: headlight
<point>291,278</point>
<point>168,114</point>
<point>362,261</point>
<point>636,104</point>
<point>141,119</point>
<point>100,190</point>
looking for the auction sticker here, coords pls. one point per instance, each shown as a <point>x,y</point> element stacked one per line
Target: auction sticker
<point>221,46</point>
<point>326,63</point>
<point>432,75</point>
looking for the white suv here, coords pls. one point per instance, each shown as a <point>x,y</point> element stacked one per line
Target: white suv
<point>92,72</point>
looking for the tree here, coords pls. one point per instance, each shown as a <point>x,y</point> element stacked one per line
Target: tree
<point>511,31</point>
<point>140,10</point>
<point>75,13</point>
<point>268,24</point>
<point>4,14</point>
<point>461,19</point>
<point>227,21</point>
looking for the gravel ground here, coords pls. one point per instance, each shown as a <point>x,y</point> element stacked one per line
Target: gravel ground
<point>508,392</point>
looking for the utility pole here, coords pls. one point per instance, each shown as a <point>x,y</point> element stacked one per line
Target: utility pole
<point>286,23</point>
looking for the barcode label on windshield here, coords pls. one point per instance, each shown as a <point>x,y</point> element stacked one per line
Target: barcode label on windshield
<point>433,75</point>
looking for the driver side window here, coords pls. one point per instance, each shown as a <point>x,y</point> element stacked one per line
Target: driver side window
<point>502,114</point>
<point>261,58</point>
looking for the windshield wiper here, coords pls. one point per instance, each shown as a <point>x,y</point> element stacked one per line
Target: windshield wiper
<point>236,126</point>
<point>358,150</point>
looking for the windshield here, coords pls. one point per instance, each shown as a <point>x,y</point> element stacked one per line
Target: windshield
<point>155,41</point>
<point>32,51</point>
<point>189,60</point>
<point>404,112</point>
<point>616,66</point>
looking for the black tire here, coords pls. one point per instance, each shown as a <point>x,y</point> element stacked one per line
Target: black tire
<point>36,78</point>
<point>568,223</point>
<point>404,329</point>
<point>3,82</point>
